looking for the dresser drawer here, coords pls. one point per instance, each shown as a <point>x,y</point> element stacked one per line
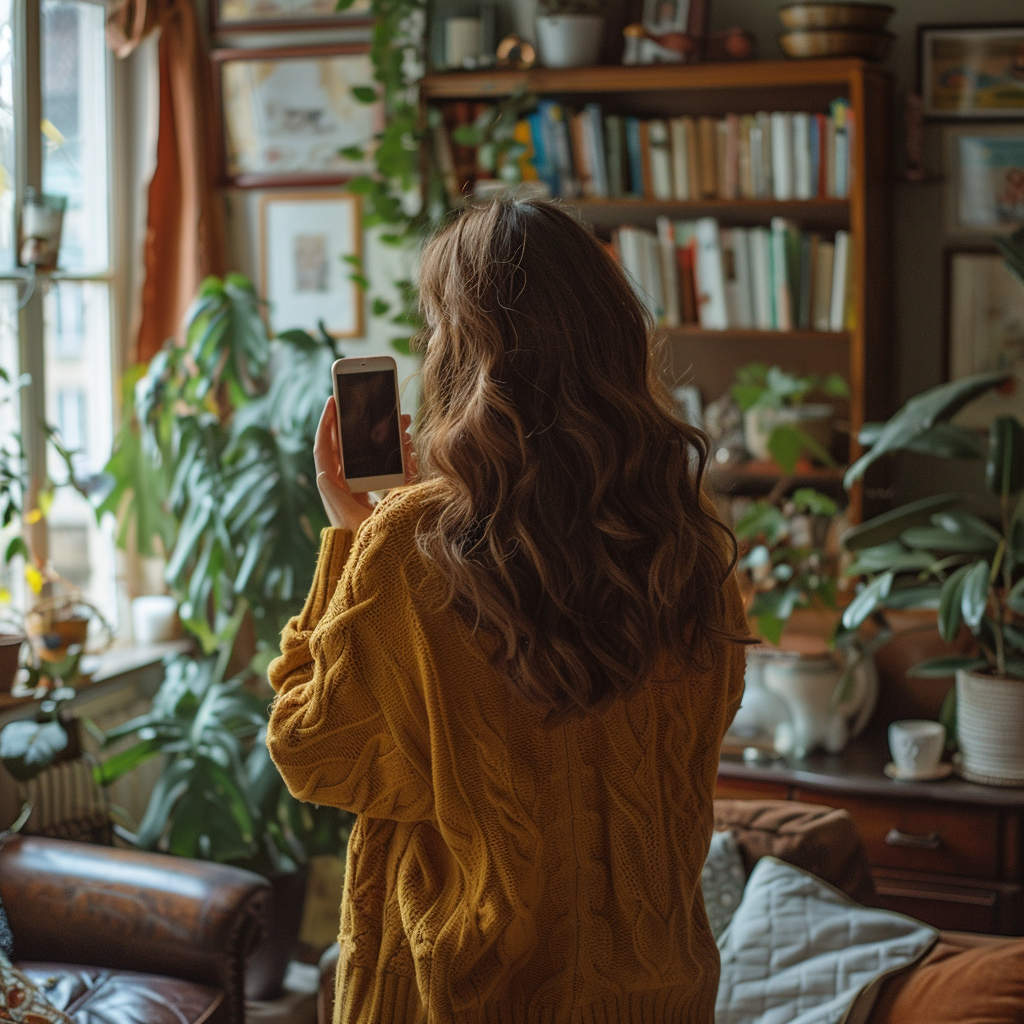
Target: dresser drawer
<point>750,789</point>
<point>949,840</point>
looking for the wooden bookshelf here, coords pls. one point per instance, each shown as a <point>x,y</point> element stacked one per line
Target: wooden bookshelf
<point>709,359</point>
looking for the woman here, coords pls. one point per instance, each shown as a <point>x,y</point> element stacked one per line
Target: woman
<point>518,672</point>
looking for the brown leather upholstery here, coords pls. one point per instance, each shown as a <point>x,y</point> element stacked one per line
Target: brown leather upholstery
<point>170,934</point>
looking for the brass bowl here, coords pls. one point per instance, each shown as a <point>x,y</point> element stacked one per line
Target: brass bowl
<point>859,17</point>
<point>833,43</point>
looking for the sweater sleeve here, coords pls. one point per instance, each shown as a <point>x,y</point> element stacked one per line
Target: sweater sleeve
<point>341,728</point>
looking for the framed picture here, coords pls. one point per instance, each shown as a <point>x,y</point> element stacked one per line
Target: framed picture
<point>660,17</point>
<point>279,15</point>
<point>304,239</point>
<point>984,180</point>
<point>288,113</point>
<point>985,330</point>
<point>971,71</point>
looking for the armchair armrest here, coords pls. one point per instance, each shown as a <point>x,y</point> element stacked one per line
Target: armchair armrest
<point>94,905</point>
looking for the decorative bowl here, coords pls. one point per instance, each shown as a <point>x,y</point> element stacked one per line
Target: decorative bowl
<point>836,43</point>
<point>859,17</point>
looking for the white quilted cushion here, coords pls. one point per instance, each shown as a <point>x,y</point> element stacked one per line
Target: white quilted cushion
<point>798,951</point>
<point>722,881</point>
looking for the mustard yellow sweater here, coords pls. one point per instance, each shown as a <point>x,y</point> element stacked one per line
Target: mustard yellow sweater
<point>499,872</point>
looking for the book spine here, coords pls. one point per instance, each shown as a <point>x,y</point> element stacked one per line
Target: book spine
<point>580,156</point>
<point>830,157</point>
<point>744,278</point>
<point>680,163</point>
<point>731,177</point>
<point>802,177</point>
<point>542,157</point>
<point>782,155</point>
<point>686,259</point>
<point>615,151</point>
<point>692,157</point>
<point>721,157</point>
<point>710,276</point>
<point>803,317</point>
<point>636,171</point>
<point>823,286</point>
<point>761,272</point>
<point>745,158</point>
<point>842,151</point>
<point>764,124</point>
<point>780,276</point>
<point>594,124</point>
<point>837,306</point>
<point>708,169</point>
<point>660,160</point>
<point>669,270</point>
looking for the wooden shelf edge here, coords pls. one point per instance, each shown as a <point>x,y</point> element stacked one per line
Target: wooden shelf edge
<point>695,331</point>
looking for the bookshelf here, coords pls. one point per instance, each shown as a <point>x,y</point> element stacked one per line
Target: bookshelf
<point>709,358</point>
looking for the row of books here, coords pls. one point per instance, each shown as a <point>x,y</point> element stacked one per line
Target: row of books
<point>776,278</point>
<point>780,155</point>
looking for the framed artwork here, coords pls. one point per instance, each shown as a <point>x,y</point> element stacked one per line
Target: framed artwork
<point>279,15</point>
<point>288,113</point>
<point>304,239</point>
<point>661,17</point>
<point>984,180</point>
<point>970,72</point>
<point>985,330</point>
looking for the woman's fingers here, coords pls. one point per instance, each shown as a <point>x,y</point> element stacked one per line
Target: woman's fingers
<point>326,453</point>
<point>344,509</point>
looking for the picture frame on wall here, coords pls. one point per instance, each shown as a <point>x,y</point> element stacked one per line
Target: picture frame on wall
<point>306,242</point>
<point>984,178</point>
<point>985,330</point>
<point>971,72</point>
<point>287,114</point>
<point>285,15</point>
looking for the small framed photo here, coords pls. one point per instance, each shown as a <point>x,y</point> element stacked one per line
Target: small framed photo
<point>305,238</point>
<point>289,114</point>
<point>984,180</point>
<point>660,17</point>
<point>283,15</point>
<point>985,330</point>
<point>971,72</point>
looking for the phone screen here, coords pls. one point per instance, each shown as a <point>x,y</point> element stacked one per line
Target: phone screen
<point>370,441</point>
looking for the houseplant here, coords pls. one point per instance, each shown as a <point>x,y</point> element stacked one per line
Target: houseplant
<point>570,32</point>
<point>948,553</point>
<point>778,422</point>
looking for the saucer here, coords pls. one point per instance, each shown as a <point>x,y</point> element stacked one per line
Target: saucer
<point>941,771</point>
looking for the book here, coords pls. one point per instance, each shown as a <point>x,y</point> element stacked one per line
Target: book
<point>822,312</point>
<point>650,262</point>
<point>687,263</point>
<point>802,160</point>
<point>442,150</point>
<point>542,157</point>
<point>837,305</point>
<point>593,144</point>
<point>839,109</point>
<point>744,158</point>
<point>635,161</point>
<point>580,156</point>
<point>660,160</point>
<point>711,308</point>
<point>761,273</point>
<point>820,132</point>
<point>680,160</point>
<point>781,291</point>
<point>557,144</point>
<point>692,157</point>
<point>615,156</point>
<point>782,154</point>
<point>646,175</point>
<point>706,130</point>
<point>830,157</point>
<point>764,124</point>
<point>731,176</point>
<point>851,127</point>
<point>804,298</point>
<point>523,135</point>
<point>849,299</point>
<point>721,157</point>
<point>669,270</point>
<point>744,278</point>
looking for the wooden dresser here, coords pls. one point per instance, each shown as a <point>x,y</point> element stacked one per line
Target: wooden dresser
<point>949,852</point>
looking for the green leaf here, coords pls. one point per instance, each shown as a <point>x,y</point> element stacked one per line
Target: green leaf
<point>364,94</point>
<point>867,600</point>
<point>951,604</point>
<point>835,386</point>
<point>352,152</point>
<point>806,499</point>
<point>770,627</point>
<point>1015,598</point>
<point>913,597</point>
<point>921,413</point>
<point>889,556</point>
<point>17,546</point>
<point>939,668</point>
<point>762,519</point>
<point>28,747</point>
<point>890,525</point>
<point>949,441</point>
<point>1004,468</point>
<point>975,593</point>
<point>935,538</point>
<point>381,307</point>
<point>128,760</point>
<point>947,717</point>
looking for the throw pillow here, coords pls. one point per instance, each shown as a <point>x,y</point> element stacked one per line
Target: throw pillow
<point>952,985</point>
<point>6,938</point>
<point>722,881</point>
<point>798,951</point>
<point>22,1002</point>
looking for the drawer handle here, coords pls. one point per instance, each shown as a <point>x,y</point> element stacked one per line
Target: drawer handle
<point>897,838</point>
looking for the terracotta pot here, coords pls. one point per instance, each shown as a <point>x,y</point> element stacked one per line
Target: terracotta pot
<point>990,728</point>
<point>10,648</point>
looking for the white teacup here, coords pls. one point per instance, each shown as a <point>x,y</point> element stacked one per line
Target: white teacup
<point>916,746</point>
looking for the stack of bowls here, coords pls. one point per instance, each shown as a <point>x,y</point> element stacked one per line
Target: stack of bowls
<point>823,29</point>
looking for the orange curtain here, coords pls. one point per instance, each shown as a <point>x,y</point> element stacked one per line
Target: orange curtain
<point>185,230</point>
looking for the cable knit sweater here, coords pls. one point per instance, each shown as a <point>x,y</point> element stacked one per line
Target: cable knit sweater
<point>499,872</point>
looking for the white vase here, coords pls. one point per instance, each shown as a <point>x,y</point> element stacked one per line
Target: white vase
<point>990,728</point>
<point>570,40</point>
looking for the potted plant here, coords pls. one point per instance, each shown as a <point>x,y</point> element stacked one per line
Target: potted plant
<point>570,32</point>
<point>947,553</point>
<point>778,422</point>
<point>790,563</point>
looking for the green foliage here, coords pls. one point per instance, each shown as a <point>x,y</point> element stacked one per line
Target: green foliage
<point>935,553</point>
<point>784,559</point>
<point>549,7</point>
<point>30,745</point>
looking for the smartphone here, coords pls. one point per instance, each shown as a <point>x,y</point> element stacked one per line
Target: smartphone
<point>369,422</point>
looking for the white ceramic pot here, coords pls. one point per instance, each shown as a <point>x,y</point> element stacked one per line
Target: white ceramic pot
<point>814,420</point>
<point>990,728</point>
<point>570,40</point>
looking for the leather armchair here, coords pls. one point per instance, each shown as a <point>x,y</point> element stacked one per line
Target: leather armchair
<point>119,935</point>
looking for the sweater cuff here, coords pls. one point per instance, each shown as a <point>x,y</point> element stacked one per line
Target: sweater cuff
<point>335,546</point>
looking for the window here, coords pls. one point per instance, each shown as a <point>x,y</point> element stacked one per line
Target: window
<point>65,336</point>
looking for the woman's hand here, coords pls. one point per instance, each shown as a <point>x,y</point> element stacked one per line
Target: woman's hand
<point>344,508</point>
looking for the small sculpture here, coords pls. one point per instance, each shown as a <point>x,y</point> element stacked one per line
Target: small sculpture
<point>516,53</point>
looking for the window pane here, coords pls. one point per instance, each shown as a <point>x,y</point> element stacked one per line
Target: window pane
<point>75,127</point>
<point>11,581</point>
<point>6,136</point>
<point>79,403</point>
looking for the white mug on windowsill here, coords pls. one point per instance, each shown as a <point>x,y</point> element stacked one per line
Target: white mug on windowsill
<point>155,619</point>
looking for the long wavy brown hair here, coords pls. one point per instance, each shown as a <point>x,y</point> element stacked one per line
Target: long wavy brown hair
<point>565,509</point>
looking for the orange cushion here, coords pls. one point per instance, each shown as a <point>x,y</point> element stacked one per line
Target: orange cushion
<point>952,985</point>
